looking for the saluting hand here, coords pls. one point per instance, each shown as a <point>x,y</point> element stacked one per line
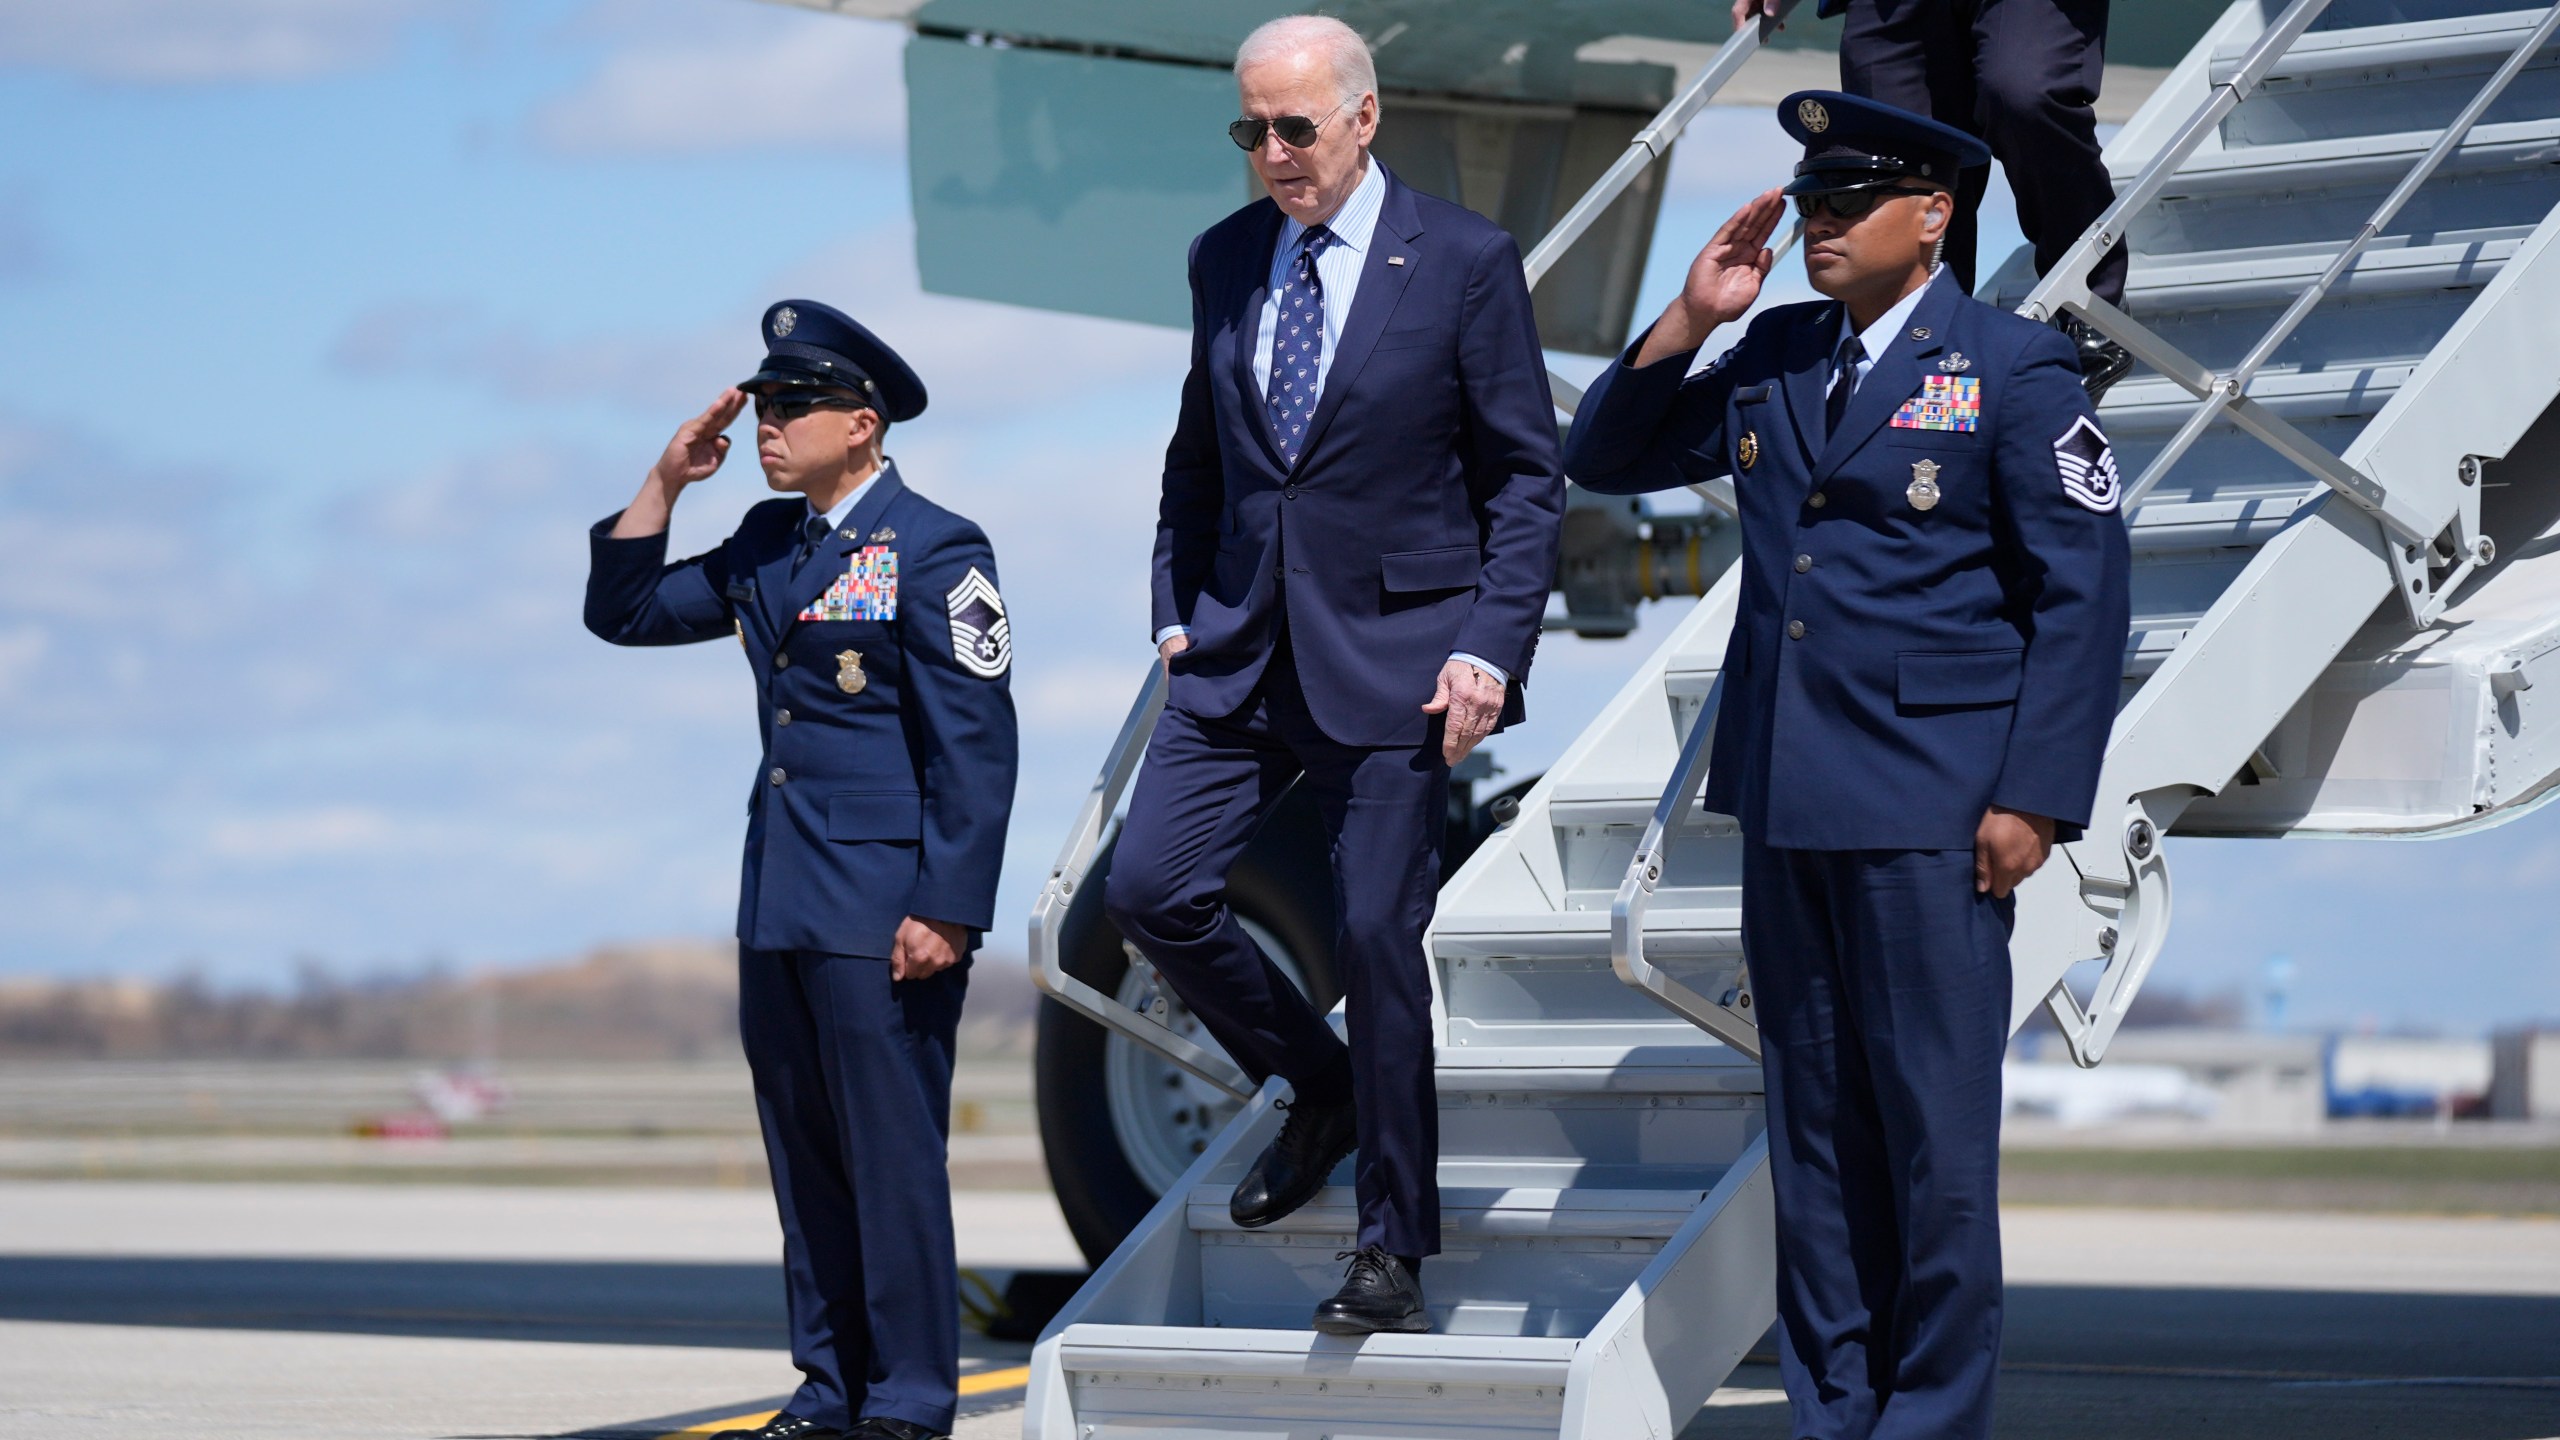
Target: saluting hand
<point>1724,281</point>
<point>1473,702</point>
<point>699,446</point>
<point>2008,846</point>
<point>694,454</point>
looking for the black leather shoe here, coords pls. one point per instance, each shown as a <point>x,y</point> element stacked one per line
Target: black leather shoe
<point>881,1427</point>
<point>1377,1297</point>
<point>785,1426</point>
<point>2103,362</point>
<point>1312,1141</point>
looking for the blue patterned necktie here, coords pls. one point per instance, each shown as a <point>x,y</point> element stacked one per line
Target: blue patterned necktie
<point>1297,347</point>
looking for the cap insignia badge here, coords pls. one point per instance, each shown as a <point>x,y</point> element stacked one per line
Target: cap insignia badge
<point>1813,117</point>
<point>1748,452</point>
<point>883,535</point>
<point>849,676</point>
<point>1923,493</point>
<point>783,320</point>
<point>1955,363</point>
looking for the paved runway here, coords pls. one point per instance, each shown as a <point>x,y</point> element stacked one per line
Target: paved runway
<point>352,1312</point>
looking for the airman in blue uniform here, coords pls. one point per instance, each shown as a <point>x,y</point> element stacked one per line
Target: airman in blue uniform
<point>1924,665</point>
<point>881,654</point>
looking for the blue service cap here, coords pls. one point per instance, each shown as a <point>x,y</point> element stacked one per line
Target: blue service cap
<point>1851,142</point>
<point>813,346</point>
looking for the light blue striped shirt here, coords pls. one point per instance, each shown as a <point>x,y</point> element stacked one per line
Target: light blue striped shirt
<point>1338,272</point>
<point>1337,269</point>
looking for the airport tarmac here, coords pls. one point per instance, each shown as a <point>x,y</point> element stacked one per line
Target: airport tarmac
<point>321,1312</point>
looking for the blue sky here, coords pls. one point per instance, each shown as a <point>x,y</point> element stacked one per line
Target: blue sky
<point>329,328</point>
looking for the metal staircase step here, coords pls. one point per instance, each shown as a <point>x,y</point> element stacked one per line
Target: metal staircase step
<point>2285,169</point>
<point>1516,1260</point>
<point>1140,1382</point>
<point>2371,50</point>
<point>2396,266</point>
<point>2149,403</point>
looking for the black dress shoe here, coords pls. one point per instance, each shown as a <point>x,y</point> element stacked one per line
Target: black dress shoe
<point>785,1426</point>
<point>2103,362</point>
<point>881,1427</point>
<point>1377,1297</point>
<point>1312,1141</point>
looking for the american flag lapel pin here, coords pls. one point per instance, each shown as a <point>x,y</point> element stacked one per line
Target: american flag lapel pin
<point>1395,259</point>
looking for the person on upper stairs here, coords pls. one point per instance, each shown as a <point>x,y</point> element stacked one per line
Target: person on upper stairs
<point>1362,505</point>
<point>1924,666</point>
<point>2022,75</point>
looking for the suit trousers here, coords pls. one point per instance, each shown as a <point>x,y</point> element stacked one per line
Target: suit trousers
<point>853,1088</point>
<point>2021,74</point>
<point>1882,984</point>
<point>1207,787</point>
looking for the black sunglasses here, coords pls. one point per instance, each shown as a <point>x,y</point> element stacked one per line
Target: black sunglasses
<point>1295,131</point>
<point>1850,204</point>
<point>783,409</point>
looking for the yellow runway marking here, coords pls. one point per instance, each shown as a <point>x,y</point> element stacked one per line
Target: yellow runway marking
<point>985,1382</point>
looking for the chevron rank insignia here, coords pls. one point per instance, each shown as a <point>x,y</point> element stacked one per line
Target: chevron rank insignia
<point>2088,465</point>
<point>1945,402</point>
<point>981,638</point>
<point>867,590</point>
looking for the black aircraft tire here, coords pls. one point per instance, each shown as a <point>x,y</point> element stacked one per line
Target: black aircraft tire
<point>1281,885</point>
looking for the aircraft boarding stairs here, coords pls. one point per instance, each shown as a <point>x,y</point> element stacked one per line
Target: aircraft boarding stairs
<point>2328,417</point>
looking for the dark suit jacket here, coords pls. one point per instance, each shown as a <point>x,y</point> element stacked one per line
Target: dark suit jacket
<point>868,806</point>
<point>1951,657</point>
<point>1422,515</point>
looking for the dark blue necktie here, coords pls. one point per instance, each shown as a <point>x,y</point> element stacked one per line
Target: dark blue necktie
<point>813,533</point>
<point>1844,383</point>
<point>1297,347</point>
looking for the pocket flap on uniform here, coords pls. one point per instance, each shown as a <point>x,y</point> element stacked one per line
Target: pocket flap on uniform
<point>1455,568</point>
<point>1978,677</point>
<point>875,815</point>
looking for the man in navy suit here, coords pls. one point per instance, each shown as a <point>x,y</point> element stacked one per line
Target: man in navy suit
<point>1356,541</point>
<point>1925,662</point>
<point>881,656</point>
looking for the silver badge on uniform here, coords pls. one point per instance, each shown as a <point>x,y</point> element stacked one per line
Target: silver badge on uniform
<point>2088,466</point>
<point>849,676</point>
<point>1923,492</point>
<point>981,638</point>
<point>783,320</point>
<point>883,535</point>
<point>1955,363</point>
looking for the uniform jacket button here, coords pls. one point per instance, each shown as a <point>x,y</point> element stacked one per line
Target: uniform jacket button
<point>1795,631</point>
<point>781,717</point>
<point>1803,563</point>
<point>1289,492</point>
<point>781,661</point>
<point>778,777</point>
<point>1817,500</point>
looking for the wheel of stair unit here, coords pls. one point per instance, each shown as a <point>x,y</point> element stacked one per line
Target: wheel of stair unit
<point>1120,1123</point>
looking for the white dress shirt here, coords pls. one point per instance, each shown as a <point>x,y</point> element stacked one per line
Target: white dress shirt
<point>1338,274</point>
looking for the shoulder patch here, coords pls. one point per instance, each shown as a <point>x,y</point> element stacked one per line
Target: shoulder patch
<point>981,637</point>
<point>2088,466</point>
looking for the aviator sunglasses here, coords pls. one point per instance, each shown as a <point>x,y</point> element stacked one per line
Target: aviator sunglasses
<point>1295,131</point>
<point>783,409</point>
<point>1850,204</point>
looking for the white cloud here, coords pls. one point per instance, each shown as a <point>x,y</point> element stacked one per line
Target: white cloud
<point>734,78</point>
<point>332,830</point>
<point>198,41</point>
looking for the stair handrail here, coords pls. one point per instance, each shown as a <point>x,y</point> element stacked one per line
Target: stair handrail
<point>1057,897</point>
<point>1650,144</point>
<point>1093,821</point>
<point>1728,1019</point>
